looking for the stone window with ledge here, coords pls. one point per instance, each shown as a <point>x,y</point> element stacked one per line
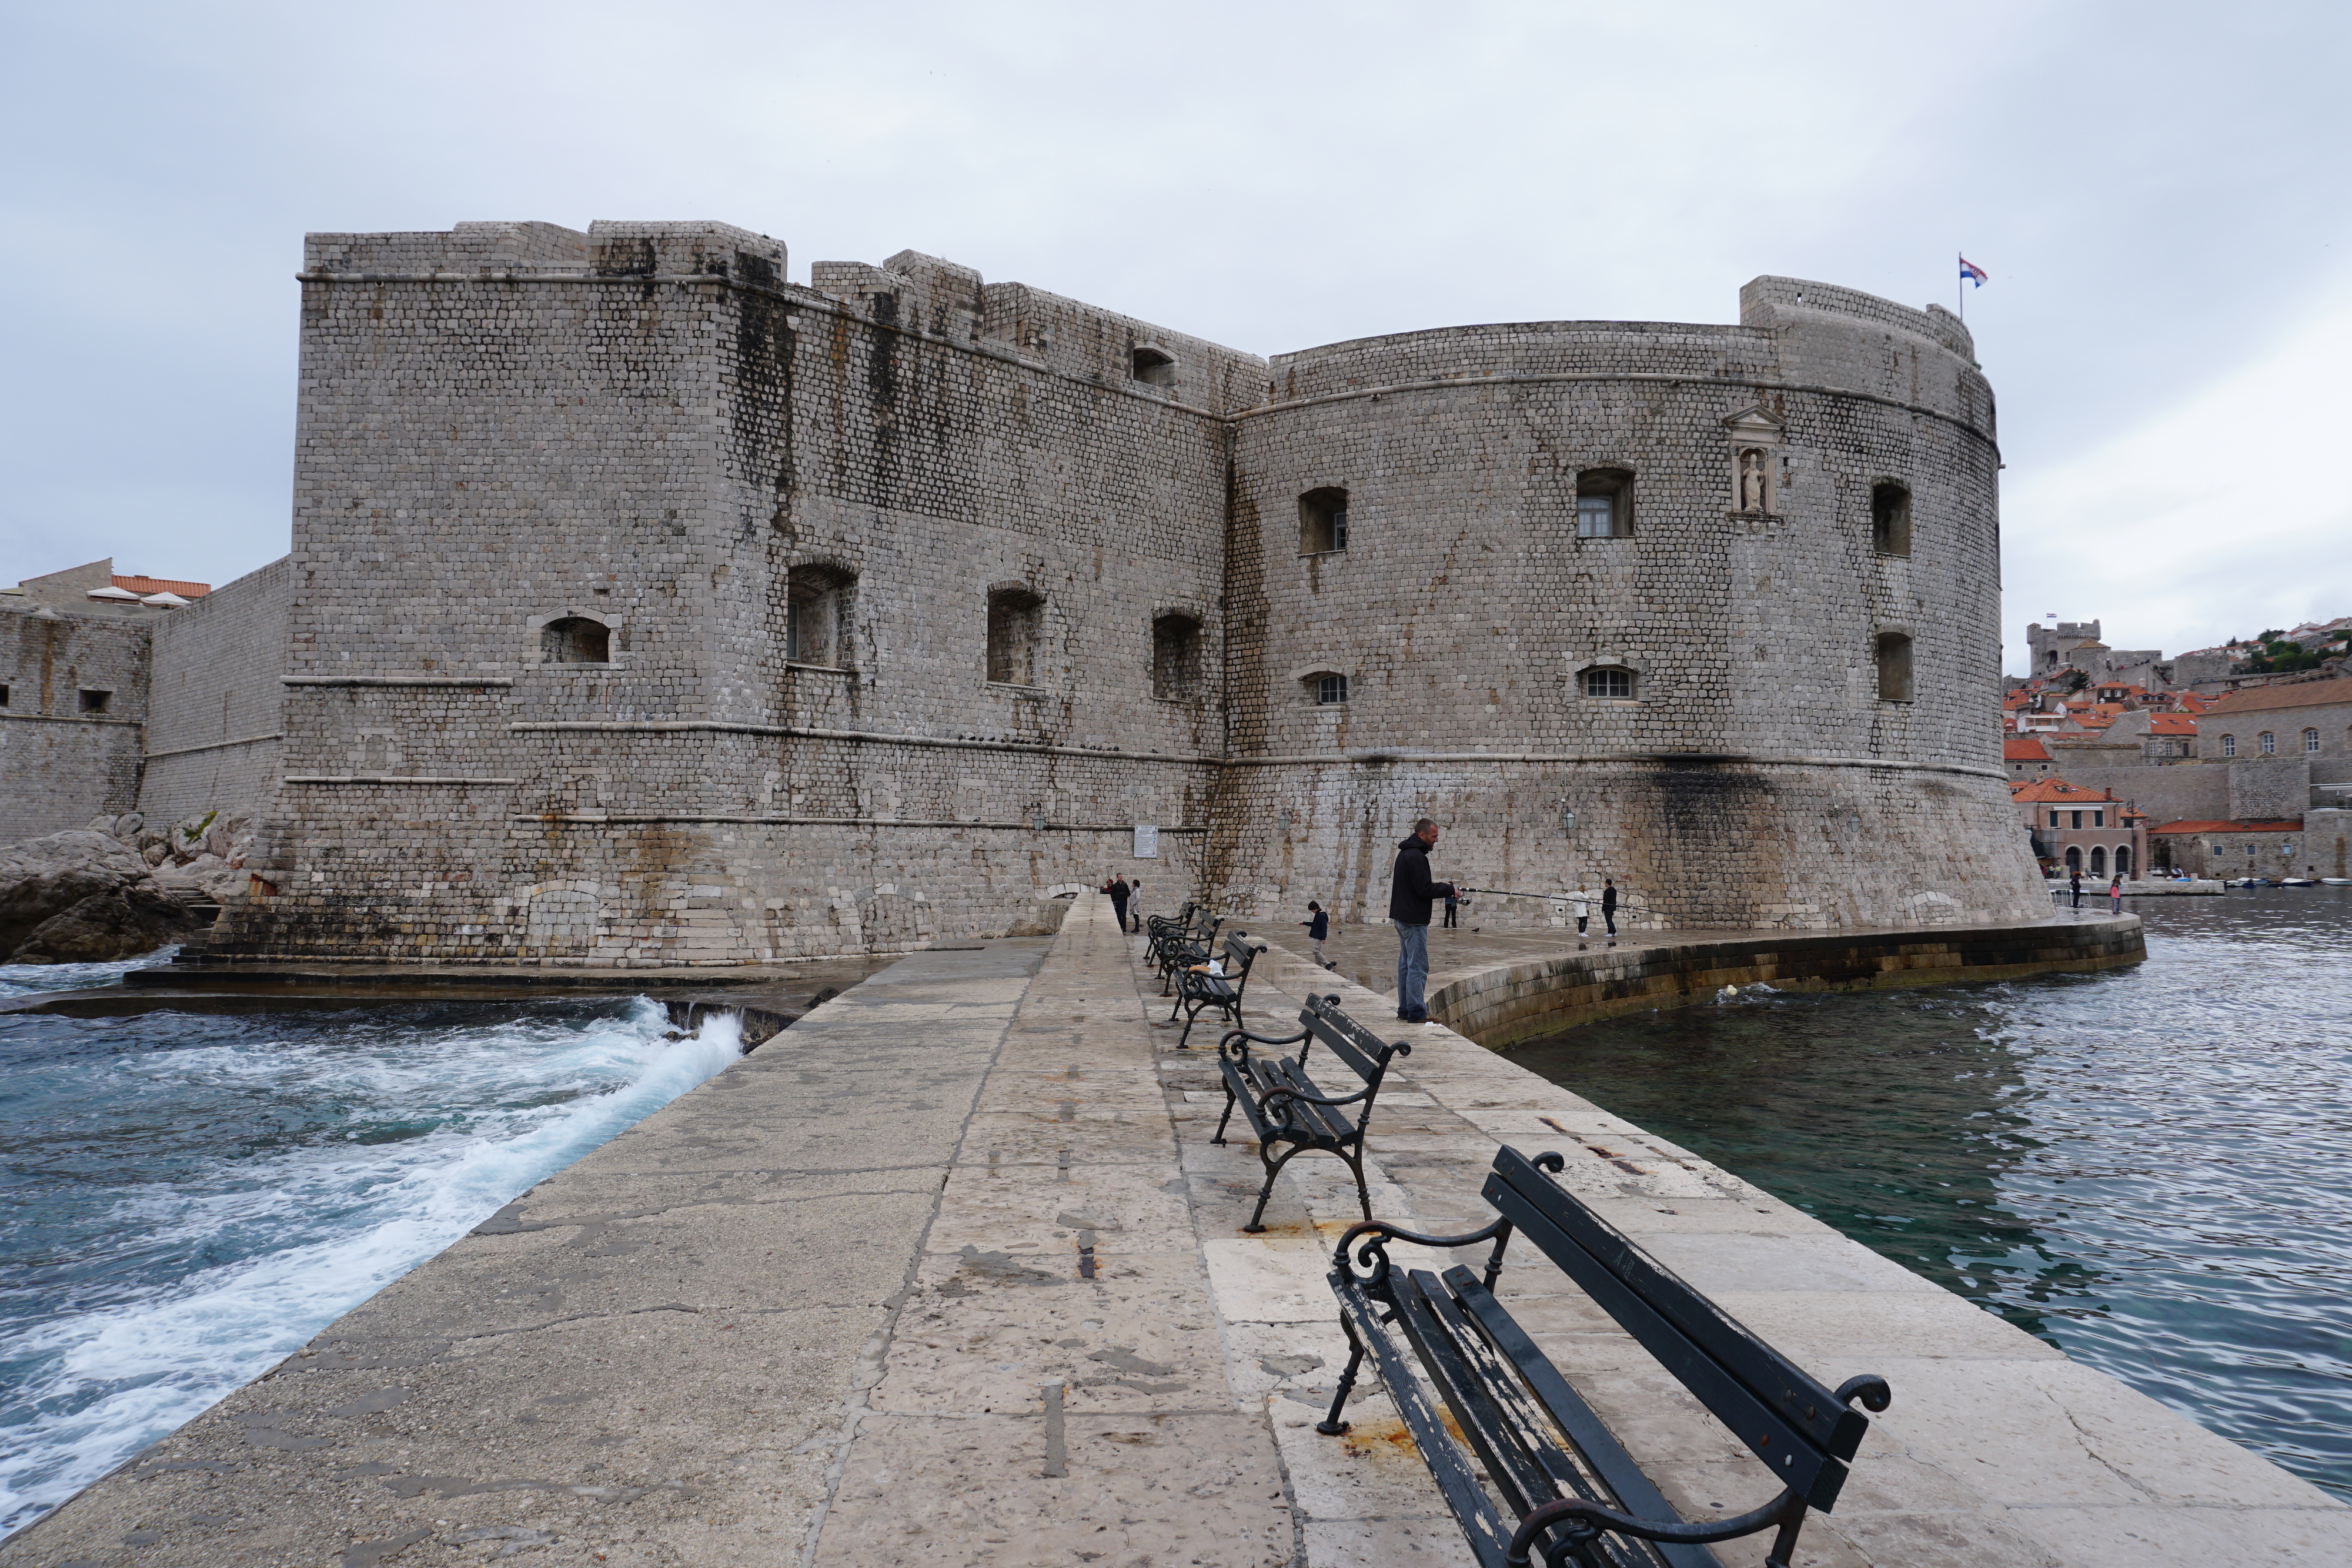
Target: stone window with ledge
<point>1323,521</point>
<point>1894,667</point>
<point>2311,741</point>
<point>2268,742</point>
<point>1604,504</point>
<point>1610,683</point>
<point>1326,688</point>
<point>1175,657</point>
<point>1152,366</point>
<point>95,702</point>
<point>2228,745</point>
<point>1890,519</point>
<point>575,640</point>
<point>818,600</point>
<point>1016,617</point>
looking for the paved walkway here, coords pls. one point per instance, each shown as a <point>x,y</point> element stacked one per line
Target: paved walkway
<point>951,1274</point>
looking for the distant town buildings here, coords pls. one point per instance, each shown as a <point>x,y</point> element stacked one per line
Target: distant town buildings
<point>2241,755</point>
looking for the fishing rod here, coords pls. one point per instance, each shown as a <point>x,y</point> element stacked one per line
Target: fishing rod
<point>1589,897</point>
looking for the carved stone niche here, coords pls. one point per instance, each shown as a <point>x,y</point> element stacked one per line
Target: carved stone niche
<point>1754,433</point>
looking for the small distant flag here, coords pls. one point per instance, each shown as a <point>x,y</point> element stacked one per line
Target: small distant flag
<point>1971,273</point>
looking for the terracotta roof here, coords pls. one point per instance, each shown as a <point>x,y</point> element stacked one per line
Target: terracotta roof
<point>2172,723</point>
<point>2036,790</point>
<point>2303,694</point>
<point>2024,749</point>
<point>162,585</point>
<point>2282,825</point>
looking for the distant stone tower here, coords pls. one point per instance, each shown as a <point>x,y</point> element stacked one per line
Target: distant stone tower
<point>650,609</point>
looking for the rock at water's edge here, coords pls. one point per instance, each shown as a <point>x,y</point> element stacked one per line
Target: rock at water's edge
<point>42,878</point>
<point>106,925</point>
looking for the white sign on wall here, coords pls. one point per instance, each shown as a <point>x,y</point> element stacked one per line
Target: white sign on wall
<point>1147,841</point>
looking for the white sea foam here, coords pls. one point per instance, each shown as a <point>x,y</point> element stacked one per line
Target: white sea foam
<point>277,1244</point>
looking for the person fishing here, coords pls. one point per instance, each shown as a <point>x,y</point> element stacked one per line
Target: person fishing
<point>1410,893</point>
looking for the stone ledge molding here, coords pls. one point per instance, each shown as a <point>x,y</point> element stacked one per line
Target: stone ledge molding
<point>214,745</point>
<point>396,680</point>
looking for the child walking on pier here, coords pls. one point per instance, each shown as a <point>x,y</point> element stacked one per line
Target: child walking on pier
<point>1319,928</point>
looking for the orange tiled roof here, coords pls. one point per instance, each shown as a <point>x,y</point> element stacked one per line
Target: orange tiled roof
<point>2172,723</point>
<point>162,585</point>
<point>2304,694</point>
<point>2035,791</point>
<point>2024,749</point>
<point>2253,825</point>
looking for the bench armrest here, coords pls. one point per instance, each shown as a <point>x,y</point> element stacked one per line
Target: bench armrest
<point>1242,1034</point>
<point>1369,1244</point>
<point>1274,1094</point>
<point>1584,1522</point>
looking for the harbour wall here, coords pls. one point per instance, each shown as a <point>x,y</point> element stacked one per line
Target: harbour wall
<point>1503,1005</point>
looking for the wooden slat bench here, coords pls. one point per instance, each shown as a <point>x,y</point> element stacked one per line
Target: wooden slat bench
<point>1558,1485</point>
<point>1198,991</point>
<point>1181,944</point>
<point>1288,1113</point>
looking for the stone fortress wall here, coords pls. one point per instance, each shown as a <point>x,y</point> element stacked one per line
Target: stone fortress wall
<point>646,608</point>
<point>217,707</point>
<point>74,689</point>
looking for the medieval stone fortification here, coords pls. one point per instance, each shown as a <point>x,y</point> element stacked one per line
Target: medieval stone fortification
<point>646,608</point>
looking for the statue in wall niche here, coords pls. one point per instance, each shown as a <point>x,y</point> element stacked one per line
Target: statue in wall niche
<point>1751,479</point>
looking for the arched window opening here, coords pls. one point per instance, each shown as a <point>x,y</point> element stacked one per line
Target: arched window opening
<point>1612,681</point>
<point>2228,745</point>
<point>575,640</point>
<point>2269,743</point>
<point>2098,861</point>
<point>2074,859</point>
<point>1015,617</point>
<point>1890,519</point>
<point>1604,504</point>
<point>1323,521</point>
<point>2311,741</point>
<point>818,600</point>
<point>1175,657</point>
<point>2122,860</point>
<point>1894,667</point>
<point>1326,688</point>
<point>1153,367</point>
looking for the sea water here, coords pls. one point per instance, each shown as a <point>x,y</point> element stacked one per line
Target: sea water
<point>2145,1167</point>
<point>186,1198</point>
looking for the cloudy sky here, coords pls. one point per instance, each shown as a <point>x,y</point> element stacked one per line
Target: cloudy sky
<point>2158,190</point>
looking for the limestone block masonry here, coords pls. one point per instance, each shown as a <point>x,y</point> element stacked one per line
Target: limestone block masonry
<point>646,608</point>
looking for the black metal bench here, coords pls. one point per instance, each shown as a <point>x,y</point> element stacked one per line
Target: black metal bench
<point>1179,945</point>
<point>1569,1493</point>
<point>1198,991</point>
<point>1284,1107</point>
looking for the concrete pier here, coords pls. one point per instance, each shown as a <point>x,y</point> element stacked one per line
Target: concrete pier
<point>950,1273</point>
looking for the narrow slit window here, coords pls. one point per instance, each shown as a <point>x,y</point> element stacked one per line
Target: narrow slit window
<point>1604,504</point>
<point>1890,519</point>
<point>1894,667</point>
<point>1323,521</point>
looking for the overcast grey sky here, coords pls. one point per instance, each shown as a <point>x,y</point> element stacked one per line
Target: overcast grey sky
<point>2157,191</point>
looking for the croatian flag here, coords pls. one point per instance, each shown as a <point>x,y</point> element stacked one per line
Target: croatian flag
<point>1971,273</point>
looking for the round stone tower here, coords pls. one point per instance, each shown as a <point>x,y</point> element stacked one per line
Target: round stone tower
<point>1711,611</point>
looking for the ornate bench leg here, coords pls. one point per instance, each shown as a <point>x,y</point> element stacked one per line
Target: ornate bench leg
<point>1356,1164</point>
<point>1266,1193</point>
<point>1226,1117</point>
<point>1331,1425</point>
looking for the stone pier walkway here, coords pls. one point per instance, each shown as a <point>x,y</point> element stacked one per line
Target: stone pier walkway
<point>949,1274</point>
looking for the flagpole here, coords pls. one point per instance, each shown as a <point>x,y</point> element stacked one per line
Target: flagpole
<point>1960,290</point>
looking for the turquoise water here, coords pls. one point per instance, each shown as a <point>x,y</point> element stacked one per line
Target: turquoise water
<point>185,1198</point>
<point>2144,1168</point>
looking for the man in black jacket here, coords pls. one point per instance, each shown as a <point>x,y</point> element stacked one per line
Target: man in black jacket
<point>1410,893</point>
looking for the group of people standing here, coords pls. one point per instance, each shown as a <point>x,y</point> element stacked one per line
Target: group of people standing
<point>1413,891</point>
